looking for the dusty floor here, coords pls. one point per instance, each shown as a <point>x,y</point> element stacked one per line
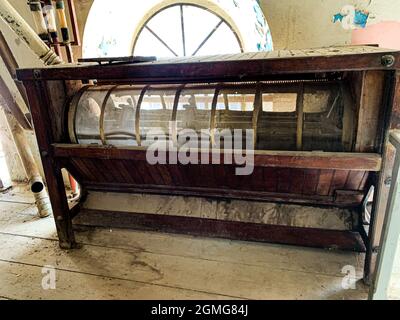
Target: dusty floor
<point>121,264</point>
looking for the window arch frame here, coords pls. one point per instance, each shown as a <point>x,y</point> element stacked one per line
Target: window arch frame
<point>168,4</point>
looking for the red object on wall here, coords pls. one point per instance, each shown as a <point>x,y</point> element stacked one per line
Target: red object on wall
<point>386,34</point>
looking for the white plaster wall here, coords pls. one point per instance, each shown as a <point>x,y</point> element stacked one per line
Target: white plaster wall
<point>297,24</point>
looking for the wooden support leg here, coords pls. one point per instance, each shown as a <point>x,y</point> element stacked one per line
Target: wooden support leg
<point>391,232</point>
<point>59,202</point>
<point>378,212</point>
<point>39,102</point>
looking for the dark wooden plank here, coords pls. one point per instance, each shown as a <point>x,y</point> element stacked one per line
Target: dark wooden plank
<point>80,167</point>
<point>255,180</point>
<point>324,183</point>
<point>310,185</point>
<point>220,175</point>
<point>296,180</point>
<point>382,187</point>
<point>370,111</point>
<point>133,171</point>
<point>124,173</point>
<point>338,181</point>
<point>152,171</point>
<point>38,100</point>
<point>354,180</point>
<point>97,169</point>
<point>270,179</point>
<point>164,173</point>
<point>309,237</point>
<point>226,70</point>
<point>106,170</point>
<point>284,180</point>
<point>283,159</point>
<point>143,172</point>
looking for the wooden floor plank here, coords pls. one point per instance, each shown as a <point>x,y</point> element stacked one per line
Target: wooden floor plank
<point>21,281</point>
<point>218,278</point>
<point>18,194</point>
<point>267,255</point>
<point>124,264</point>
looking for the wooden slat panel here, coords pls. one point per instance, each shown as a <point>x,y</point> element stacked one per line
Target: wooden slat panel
<point>143,172</point>
<point>338,181</point>
<point>364,180</point>
<point>255,180</point>
<point>270,179</point>
<point>284,180</point>
<point>220,175</point>
<point>324,183</point>
<point>178,175</point>
<point>133,171</point>
<point>121,171</point>
<point>108,170</point>
<point>310,185</point>
<point>164,173</point>
<point>370,111</point>
<point>83,171</point>
<point>354,180</point>
<point>125,174</point>
<point>207,171</point>
<point>296,180</point>
<point>152,171</point>
<point>230,177</point>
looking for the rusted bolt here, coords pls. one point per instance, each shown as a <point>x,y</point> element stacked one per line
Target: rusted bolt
<point>388,181</point>
<point>388,60</point>
<point>37,74</point>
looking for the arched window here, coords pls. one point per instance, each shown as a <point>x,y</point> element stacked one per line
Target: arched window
<point>192,30</point>
<point>168,28</point>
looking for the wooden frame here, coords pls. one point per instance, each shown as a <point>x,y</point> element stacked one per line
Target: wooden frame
<point>366,77</point>
<point>390,234</point>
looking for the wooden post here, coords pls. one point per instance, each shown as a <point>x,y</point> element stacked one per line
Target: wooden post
<point>38,100</point>
<point>382,183</point>
<point>391,232</point>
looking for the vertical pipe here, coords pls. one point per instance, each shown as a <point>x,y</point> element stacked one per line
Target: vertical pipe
<point>62,20</point>
<point>25,32</point>
<point>38,18</point>
<point>32,171</point>
<point>50,18</point>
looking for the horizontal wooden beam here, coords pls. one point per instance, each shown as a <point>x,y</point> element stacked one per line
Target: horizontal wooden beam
<point>224,70</point>
<point>282,159</point>
<point>308,237</point>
